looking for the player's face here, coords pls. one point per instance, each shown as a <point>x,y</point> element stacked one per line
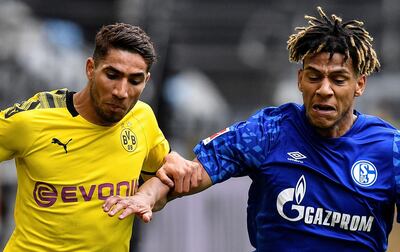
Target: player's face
<point>116,84</point>
<point>329,87</point>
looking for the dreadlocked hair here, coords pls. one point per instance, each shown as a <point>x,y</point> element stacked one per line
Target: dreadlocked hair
<point>331,35</point>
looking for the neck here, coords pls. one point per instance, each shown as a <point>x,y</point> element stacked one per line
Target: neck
<point>84,106</point>
<point>338,130</point>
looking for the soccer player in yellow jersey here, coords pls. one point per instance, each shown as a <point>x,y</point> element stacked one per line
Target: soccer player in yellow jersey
<point>74,150</point>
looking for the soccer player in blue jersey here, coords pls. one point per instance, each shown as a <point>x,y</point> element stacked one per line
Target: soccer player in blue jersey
<point>324,175</point>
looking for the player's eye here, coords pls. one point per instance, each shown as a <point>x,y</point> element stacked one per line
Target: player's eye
<point>313,78</point>
<point>339,81</point>
<point>111,76</point>
<point>134,81</point>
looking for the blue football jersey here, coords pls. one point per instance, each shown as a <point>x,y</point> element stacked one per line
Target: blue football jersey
<point>308,192</point>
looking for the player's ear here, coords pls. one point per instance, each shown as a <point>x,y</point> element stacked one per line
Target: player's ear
<point>299,80</point>
<point>148,76</point>
<point>90,68</point>
<point>361,84</point>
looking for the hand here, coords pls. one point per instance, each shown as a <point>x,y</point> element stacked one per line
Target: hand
<point>181,173</point>
<point>137,204</point>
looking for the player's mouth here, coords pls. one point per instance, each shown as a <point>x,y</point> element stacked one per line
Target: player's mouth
<point>323,108</point>
<point>116,107</point>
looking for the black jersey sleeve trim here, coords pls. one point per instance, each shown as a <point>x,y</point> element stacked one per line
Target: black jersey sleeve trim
<point>70,104</point>
<point>148,173</point>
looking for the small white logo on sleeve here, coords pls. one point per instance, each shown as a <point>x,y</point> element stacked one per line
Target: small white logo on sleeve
<point>209,139</point>
<point>364,173</point>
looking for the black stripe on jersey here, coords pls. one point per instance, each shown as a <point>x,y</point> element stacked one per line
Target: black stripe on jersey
<point>61,91</point>
<point>33,105</point>
<point>18,108</point>
<point>70,104</point>
<point>44,100</point>
<point>148,173</point>
<point>50,100</point>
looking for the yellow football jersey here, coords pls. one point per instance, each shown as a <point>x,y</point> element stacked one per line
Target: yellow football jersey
<point>68,166</point>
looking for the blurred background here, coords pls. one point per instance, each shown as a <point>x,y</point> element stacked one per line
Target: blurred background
<point>219,61</point>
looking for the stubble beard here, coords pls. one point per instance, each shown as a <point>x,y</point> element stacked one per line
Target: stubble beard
<point>108,118</point>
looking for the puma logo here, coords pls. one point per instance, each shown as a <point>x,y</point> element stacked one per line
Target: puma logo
<point>56,141</point>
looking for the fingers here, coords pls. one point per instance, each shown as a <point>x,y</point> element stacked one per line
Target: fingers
<point>178,179</point>
<point>162,175</point>
<point>128,206</point>
<point>186,183</point>
<point>113,205</point>
<point>197,175</point>
<point>110,202</point>
<point>193,176</point>
<point>194,179</point>
<point>145,216</point>
<point>180,173</point>
<point>199,172</point>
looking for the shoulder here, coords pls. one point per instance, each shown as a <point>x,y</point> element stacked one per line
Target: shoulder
<point>280,111</point>
<point>376,124</point>
<point>144,115</point>
<point>266,123</point>
<point>271,116</point>
<point>21,124</point>
<point>142,108</point>
<point>42,100</point>
<point>374,130</point>
<point>375,120</point>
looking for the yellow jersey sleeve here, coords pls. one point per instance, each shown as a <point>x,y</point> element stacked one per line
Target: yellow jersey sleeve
<point>15,130</point>
<point>7,151</point>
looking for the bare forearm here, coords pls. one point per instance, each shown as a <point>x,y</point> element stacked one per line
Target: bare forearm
<point>154,194</point>
<point>159,194</point>
<point>156,191</point>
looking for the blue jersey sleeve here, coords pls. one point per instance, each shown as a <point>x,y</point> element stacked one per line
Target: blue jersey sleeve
<point>396,163</point>
<point>234,151</point>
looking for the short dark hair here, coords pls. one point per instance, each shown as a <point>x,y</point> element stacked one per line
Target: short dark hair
<point>124,37</point>
<point>334,36</point>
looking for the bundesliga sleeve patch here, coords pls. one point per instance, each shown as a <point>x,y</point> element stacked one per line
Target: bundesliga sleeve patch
<point>209,139</point>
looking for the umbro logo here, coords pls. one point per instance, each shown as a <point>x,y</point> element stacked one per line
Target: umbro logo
<point>296,156</point>
<point>64,145</point>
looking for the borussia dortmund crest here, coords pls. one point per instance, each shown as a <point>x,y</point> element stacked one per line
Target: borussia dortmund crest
<point>128,140</point>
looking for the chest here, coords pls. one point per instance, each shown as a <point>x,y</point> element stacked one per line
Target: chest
<point>350,176</point>
<point>75,153</point>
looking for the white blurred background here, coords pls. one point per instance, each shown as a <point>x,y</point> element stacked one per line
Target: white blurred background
<point>219,61</point>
